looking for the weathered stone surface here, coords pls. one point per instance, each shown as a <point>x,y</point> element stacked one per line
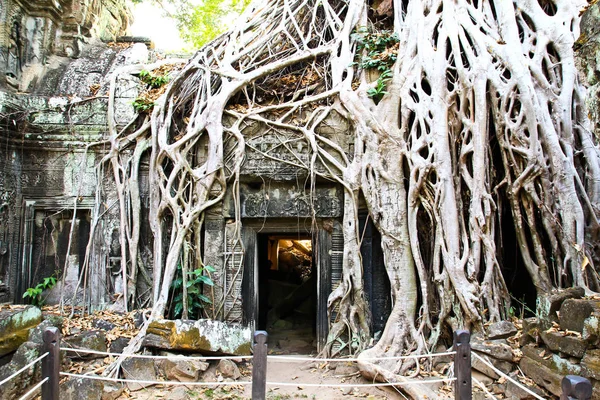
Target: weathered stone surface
<point>26,353</point>
<point>548,305</point>
<point>117,345</point>
<point>36,334</point>
<point>139,369</point>
<point>182,370</point>
<point>90,340</point>
<point>112,391</point>
<point>590,364</point>
<point>571,345</point>
<point>228,369</point>
<point>15,326</point>
<point>501,330</point>
<point>79,388</point>
<point>591,328</point>
<point>542,375</point>
<point>203,336</point>
<point>552,361</point>
<point>514,392</point>
<point>502,365</point>
<point>574,312</point>
<point>498,348</point>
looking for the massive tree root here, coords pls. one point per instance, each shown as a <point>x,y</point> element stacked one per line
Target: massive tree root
<point>482,107</point>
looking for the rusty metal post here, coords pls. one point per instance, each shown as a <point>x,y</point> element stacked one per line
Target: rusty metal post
<point>51,364</point>
<point>576,388</point>
<point>462,365</point>
<point>259,366</point>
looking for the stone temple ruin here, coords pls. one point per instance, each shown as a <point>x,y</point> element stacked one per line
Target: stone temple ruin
<point>55,65</point>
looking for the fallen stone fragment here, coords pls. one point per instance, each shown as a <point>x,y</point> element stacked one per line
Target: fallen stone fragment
<point>26,353</point>
<point>501,330</point>
<point>80,388</point>
<point>571,345</point>
<point>139,369</point>
<point>497,348</point>
<point>183,370</point>
<point>89,340</point>
<point>228,369</point>
<point>203,336</point>
<point>548,305</point>
<point>574,312</point>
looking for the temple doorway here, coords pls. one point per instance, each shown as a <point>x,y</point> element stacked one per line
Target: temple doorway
<point>287,292</point>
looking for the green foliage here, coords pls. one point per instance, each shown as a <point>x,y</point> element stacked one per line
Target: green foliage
<point>378,51</point>
<point>151,80</point>
<point>199,24</point>
<point>35,293</point>
<point>142,105</point>
<point>195,298</point>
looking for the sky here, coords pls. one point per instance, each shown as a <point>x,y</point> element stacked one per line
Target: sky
<point>149,21</point>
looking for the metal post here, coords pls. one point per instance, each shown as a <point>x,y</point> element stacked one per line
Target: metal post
<point>576,388</point>
<point>51,364</point>
<point>259,366</point>
<point>462,365</point>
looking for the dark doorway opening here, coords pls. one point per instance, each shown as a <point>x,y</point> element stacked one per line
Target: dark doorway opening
<point>287,292</point>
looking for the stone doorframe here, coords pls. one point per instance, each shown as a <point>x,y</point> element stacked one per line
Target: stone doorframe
<point>322,236</point>
<point>29,207</point>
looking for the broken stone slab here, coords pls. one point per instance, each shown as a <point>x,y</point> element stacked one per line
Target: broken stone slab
<point>559,341</point>
<point>552,361</point>
<point>117,345</point>
<point>548,305</point>
<point>501,330</point>
<point>89,340</point>
<point>15,325</point>
<point>502,365</point>
<point>497,348</point>
<point>204,336</point>
<point>182,370</point>
<point>542,375</point>
<point>514,392</point>
<point>26,353</point>
<point>142,369</point>
<point>574,312</point>
<point>228,369</point>
<point>80,388</point>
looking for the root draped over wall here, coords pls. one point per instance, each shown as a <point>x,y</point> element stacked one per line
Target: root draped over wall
<point>483,108</point>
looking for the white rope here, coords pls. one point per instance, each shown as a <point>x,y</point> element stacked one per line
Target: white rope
<point>23,369</point>
<point>416,356</point>
<point>485,390</point>
<point>178,356</point>
<point>33,389</point>
<point>413,382</point>
<point>144,382</point>
<point>496,370</point>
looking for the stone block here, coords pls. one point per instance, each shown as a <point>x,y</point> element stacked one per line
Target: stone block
<point>139,369</point>
<point>498,348</point>
<point>79,388</point>
<point>574,312</point>
<point>530,332</point>
<point>542,375</point>
<point>504,366</point>
<point>89,340</point>
<point>590,364</point>
<point>182,370</point>
<point>501,330</point>
<point>228,369</point>
<point>26,353</point>
<point>15,325</point>
<point>559,341</point>
<point>203,336</point>
<point>548,305</point>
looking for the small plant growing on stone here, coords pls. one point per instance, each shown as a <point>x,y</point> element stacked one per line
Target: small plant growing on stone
<point>196,300</point>
<point>35,293</point>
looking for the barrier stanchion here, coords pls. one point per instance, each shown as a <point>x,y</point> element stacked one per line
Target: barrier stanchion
<point>259,366</point>
<point>463,389</point>
<point>51,364</point>
<point>576,388</point>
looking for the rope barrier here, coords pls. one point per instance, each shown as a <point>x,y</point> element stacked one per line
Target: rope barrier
<point>106,353</point>
<point>412,382</point>
<point>145,382</point>
<point>416,356</point>
<point>33,389</point>
<point>496,370</point>
<point>40,358</point>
